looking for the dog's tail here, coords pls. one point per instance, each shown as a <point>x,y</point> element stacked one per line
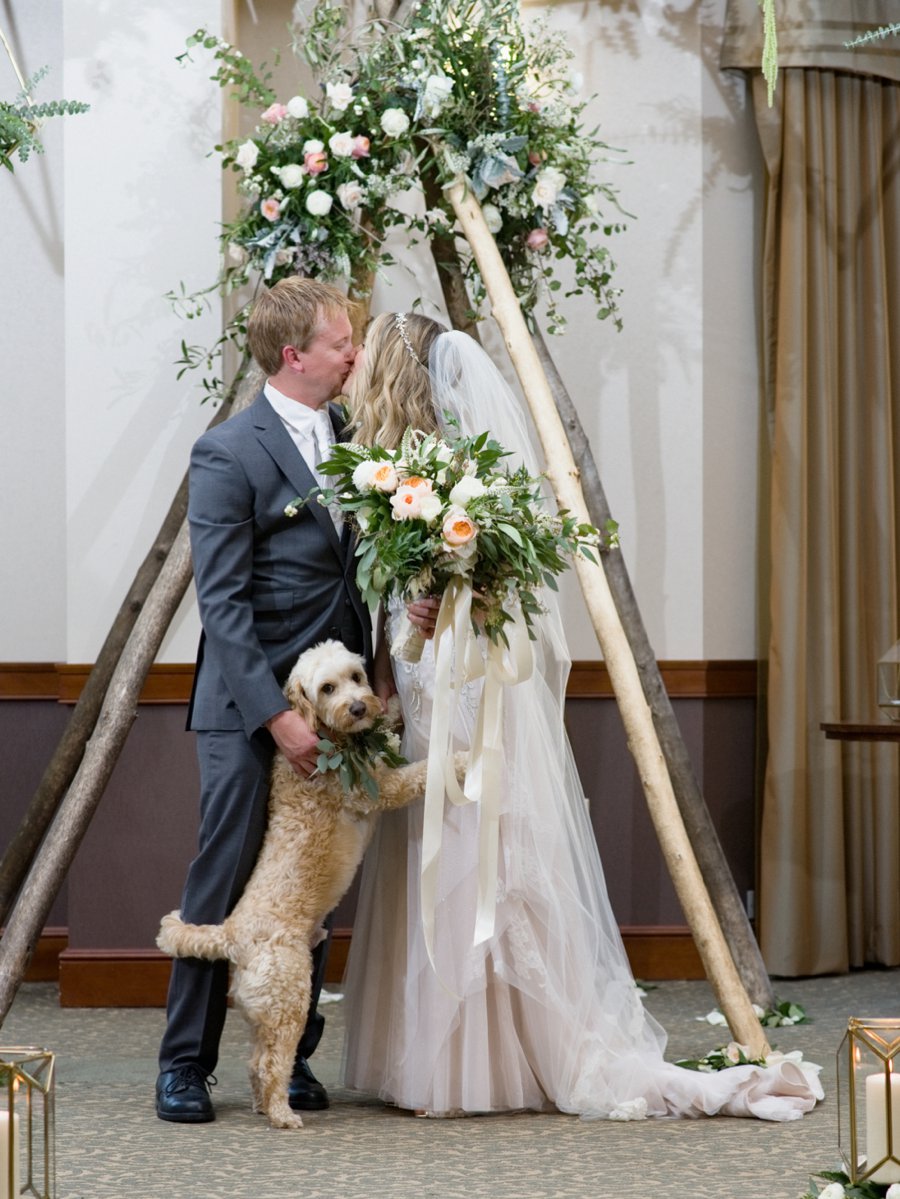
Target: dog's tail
<point>191,940</point>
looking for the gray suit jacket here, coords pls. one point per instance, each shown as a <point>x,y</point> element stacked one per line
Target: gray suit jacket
<point>268,585</point>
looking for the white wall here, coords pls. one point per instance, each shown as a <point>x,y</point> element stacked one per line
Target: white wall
<point>97,429</point>
<point>101,427</point>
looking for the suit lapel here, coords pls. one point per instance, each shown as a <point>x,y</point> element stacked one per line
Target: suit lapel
<point>271,432</point>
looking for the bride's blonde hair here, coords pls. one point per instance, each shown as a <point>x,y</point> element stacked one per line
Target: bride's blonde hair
<point>392,390</point>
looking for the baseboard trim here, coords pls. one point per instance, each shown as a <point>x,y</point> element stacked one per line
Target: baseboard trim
<point>140,977</point>
<point>171,683</point>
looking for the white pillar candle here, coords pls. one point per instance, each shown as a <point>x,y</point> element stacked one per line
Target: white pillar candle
<point>876,1127</point>
<point>8,1143</point>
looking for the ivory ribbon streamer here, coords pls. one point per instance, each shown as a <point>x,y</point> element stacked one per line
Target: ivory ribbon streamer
<point>457,660</point>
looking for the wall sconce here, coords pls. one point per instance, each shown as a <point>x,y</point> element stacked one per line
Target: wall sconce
<point>27,1133</point>
<point>869,1100</point>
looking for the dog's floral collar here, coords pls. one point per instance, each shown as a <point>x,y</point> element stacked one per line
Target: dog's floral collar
<point>353,755</point>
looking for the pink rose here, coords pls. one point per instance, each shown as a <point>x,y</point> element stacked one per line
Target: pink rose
<point>360,147</point>
<point>316,162</point>
<point>537,239</point>
<point>274,113</point>
<point>270,209</point>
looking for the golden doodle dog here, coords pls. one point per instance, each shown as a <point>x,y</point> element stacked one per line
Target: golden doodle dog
<point>316,836</point>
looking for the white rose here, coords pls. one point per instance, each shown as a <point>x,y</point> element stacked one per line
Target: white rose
<point>363,474</point>
<point>893,1191</point>
<point>340,95</point>
<point>341,144</point>
<point>291,174</point>
<point>351,195</point>
<point>313,146</point>
<point>237,254</point>
<point>247,155</point>
<point>318,203</point>
<point>492,218</point>
<point>834,1190</point>
<point>298,108</point>
<point>468,488</point>
<point>547,186</point>
<point>394,122</point>
<point>430,508</point>
<point>437,89</point>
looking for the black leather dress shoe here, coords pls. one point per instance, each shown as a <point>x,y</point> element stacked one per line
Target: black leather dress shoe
<point>182,1095</point>
<point>306,1093</point>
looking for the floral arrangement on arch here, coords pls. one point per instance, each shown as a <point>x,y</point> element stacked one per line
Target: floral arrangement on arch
<point>460,87</point>
<point>440,508</point>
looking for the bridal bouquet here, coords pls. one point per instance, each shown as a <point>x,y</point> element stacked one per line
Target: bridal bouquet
<point>440,508</point>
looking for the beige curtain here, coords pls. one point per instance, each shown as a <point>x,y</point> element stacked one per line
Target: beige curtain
<point>830,836</point>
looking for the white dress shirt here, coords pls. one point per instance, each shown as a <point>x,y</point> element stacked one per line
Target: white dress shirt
<point>311,431</point>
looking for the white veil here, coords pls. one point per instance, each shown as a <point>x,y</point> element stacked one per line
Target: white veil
<point>545,1012</point>
<point>467,387</point>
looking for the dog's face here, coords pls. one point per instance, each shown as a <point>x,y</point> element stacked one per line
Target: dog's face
<point>328,686</point>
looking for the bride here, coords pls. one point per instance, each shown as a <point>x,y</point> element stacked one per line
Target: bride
<point>545,1014</point>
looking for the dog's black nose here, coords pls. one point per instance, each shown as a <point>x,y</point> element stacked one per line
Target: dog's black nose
<point>357,709</point>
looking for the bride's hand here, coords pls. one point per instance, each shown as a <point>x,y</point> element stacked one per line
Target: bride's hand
<point>422,615</point>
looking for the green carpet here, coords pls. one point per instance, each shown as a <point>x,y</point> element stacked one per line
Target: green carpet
<point>110,1145</point>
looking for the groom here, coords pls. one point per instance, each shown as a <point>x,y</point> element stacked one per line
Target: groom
<point>269,586</point>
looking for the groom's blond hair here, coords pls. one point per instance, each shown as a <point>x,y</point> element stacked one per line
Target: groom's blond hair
<point>290,314</point>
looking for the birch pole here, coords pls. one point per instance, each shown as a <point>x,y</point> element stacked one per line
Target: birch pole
<point>636,716</point>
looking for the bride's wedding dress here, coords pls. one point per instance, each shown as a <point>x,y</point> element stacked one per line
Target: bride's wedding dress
<point>545,1014</point>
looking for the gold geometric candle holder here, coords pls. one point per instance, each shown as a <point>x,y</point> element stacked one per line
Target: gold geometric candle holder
<point>27,1131</point>
<point>868,1062</point>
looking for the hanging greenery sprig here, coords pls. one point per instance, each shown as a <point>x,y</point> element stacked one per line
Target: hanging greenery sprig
<point>21,119</point>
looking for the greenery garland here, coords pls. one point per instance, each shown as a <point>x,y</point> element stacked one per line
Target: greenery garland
<point>461,86</point>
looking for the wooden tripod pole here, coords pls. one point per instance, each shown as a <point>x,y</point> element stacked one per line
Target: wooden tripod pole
<point>636,715</point>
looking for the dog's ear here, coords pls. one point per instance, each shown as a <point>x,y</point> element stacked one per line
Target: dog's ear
<point>300,702</point>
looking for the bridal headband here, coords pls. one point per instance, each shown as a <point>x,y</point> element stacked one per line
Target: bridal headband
<point>400,323</point>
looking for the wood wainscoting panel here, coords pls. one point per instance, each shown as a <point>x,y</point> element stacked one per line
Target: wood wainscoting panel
<point>140,977</point>
<point>171,683</point>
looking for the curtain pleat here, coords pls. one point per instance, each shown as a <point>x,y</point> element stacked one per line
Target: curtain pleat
<point>830,831</point>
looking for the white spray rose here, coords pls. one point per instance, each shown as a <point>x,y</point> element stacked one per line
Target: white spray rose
<point>351,195</point>
<point>247,154</point>
<point>834,1190</point>
<point>492,218</point>
<point>341,144</point>
<point>318,203</point>
<point>291,174</point>
<point>547,185</point>
<point>437,90</point>
<point>313,146</point>
<point>468,488</point>
<point>297,108</point>
<point>394,122</point>
<point>340,95</point>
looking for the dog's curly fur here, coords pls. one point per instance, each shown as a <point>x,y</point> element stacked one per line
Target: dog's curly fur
<point>315,840</point>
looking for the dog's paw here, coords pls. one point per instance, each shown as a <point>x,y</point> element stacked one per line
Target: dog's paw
<point>166,925</point>
<point>282,1116</point>
<point>317,936</point>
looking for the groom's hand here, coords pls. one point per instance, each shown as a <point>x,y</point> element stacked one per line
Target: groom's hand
<point>423,615</point>
<point>296,740</point>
